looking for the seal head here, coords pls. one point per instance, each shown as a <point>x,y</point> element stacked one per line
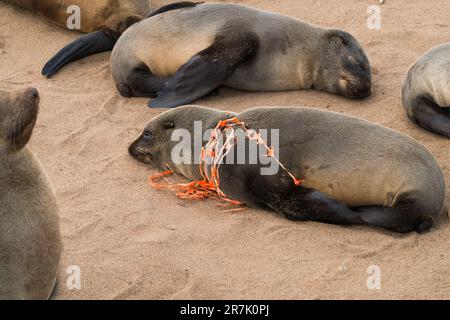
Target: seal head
<point>18,114</point>
<point>344,67</point>
<point>157,141</point>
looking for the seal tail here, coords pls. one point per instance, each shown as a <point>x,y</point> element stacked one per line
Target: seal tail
<point>86,45</point>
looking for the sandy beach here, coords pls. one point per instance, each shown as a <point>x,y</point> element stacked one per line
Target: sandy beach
<point>133,242</point>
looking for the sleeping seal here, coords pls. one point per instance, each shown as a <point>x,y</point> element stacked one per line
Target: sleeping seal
<point>30,241</point>
<point>114,15</point>
<point>355,172</point>
<point>184,52</point>
<point>426,91</point>
<point>104,20</point>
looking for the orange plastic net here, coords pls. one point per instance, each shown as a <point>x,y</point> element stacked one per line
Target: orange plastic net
<point>209,186</point>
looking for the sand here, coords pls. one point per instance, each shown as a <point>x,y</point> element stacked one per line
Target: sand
<point>133,242</point>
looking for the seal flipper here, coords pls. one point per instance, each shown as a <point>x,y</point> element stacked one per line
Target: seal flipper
<point>206,71</point>
<point>311,205</point>
<point>304,204</point>
<point>245,183</point>
<point>173,6</point>
<point>142,83</point>
<point>86,45</point>
<point>278,192</point>
<point>430,116</point>
<point>403,218</point>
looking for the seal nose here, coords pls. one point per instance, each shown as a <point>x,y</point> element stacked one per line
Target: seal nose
<point>33,92</point>
<point>132,151</point>
<point>136,151</point>
<point>363,91</point>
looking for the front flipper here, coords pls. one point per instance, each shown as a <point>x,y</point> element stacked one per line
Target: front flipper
<point>206,71</point>
<point>141,83</point>
<point>431,117</point>
<point>89,44</point>
<point>304,204</point>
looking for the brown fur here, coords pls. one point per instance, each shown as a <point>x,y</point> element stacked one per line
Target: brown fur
<point>292,54</point>
<point>429,77</point>
<point>30,241</point>
<point>353,161</point>
<point>95,14</point>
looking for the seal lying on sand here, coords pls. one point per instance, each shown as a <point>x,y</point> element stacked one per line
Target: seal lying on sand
<point>105,20</point>
<point>426,91</point>
<point>355,172</point>
<point>184,51</point>
<point>30,241</point>
<point>115,15</point>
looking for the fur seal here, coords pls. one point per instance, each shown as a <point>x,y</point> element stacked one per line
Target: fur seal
<point>426,91</point>
<point>106,21</point>
<point>186,50</point>
<point>103,20</point>
<point>115,15</point>
<point>355,172</point>
<point>30,241</point>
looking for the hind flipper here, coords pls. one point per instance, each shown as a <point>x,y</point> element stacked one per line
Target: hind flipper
<point>246,183</point>
<point>406,216</point>
<point>86,45</point>
<point>312,205</point>
<point>431,117</point>
<point>142,83</point>
<point>205,71</point>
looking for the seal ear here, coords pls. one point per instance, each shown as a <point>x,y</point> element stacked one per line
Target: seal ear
<point>169,125</point>
<point>89,44</point>
<point>339,39</point>
<point>129,21</point>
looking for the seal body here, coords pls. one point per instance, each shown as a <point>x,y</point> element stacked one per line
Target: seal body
<point>95,15</point>
<point>426,91</point>
<point>354,171</point>
<point>180,55</point>
<point>30,241</point>
<point>106,20</point>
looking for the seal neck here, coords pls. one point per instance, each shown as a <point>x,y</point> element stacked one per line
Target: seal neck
<point>319,80</point>
<point>10,158</point>
<point>307,54</point>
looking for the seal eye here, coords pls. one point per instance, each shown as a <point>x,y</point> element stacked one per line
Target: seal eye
<point>169,125</point>
<point>345,42</point>
<point>148,135</point>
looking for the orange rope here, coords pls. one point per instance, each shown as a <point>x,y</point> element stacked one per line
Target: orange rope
<point>210,187</point>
